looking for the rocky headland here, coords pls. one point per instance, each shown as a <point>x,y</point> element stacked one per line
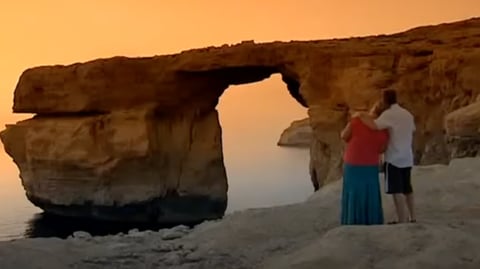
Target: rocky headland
<point>139,138</point>
<point>298,135</point>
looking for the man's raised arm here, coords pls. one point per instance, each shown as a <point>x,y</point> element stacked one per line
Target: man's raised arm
<point>376,124</point>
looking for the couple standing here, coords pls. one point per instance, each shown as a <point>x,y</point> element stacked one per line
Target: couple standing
<point>387,129</point>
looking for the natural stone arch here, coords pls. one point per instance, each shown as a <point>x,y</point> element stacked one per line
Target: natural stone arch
<point>171,145</point>
<point>248,74</point>
<point>141,137</point>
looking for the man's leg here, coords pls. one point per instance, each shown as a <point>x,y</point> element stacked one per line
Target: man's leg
<point>399,201</point>
<point>393,185</point>
<point>409,193</point>
<point>411,207</point>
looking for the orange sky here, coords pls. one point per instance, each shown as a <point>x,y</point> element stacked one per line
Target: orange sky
<point>61,32</point>
<point>44,32</point>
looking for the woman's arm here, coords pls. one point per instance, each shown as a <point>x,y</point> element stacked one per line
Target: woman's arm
<point>383,148</point>
<point>346,133</point>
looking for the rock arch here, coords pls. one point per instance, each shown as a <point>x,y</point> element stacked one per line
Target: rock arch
<point>139,137</point>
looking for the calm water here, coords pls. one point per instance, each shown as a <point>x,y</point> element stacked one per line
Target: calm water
<point>260,174</point>
<point>281,177</point>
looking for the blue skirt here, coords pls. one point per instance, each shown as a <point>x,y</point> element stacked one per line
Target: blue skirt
<point>361,198</point>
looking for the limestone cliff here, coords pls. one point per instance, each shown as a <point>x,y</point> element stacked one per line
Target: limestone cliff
<point>125,165</point>
<point>298,134</point>
<point>141,135</point>
<point>463,131</point>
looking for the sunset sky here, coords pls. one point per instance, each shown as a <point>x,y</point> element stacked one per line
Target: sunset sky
<point>50,32</point>
<point>61,32</point>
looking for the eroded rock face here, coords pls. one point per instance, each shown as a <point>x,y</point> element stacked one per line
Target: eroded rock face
<point>463,131</point>
<point>126,165</point>
<point>298,134</point>
<point>124,131</point>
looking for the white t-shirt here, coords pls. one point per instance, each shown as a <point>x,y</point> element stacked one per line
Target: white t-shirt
<point>401,126</point>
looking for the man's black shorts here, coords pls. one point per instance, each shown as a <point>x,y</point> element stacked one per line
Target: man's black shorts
<point>397,180</point>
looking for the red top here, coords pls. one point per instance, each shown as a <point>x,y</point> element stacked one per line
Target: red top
<point>365,145</point>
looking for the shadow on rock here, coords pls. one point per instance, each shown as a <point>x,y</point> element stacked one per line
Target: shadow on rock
<point>47,225</point>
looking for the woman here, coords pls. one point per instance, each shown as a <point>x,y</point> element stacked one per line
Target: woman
<point>361,199</point>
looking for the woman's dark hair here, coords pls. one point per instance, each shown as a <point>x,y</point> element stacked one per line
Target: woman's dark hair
<point>389,97</point>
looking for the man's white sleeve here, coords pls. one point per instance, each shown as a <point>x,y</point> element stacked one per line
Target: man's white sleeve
<point>383,122</point>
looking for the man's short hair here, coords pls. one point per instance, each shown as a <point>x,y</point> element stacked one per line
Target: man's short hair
<point>389,97</point>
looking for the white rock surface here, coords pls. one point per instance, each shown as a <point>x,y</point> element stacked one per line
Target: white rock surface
<point>175,232</point>
<point>81,235</point>
<point>299,236</point>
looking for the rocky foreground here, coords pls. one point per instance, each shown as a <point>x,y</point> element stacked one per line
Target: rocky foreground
<point>300,236</point>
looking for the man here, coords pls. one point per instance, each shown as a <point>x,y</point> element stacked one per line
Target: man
<point>398,155</point>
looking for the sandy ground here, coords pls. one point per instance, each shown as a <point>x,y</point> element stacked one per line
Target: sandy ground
<point>299,236</point>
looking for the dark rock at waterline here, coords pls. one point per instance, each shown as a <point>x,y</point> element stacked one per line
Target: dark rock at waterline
<point>169,210</point>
